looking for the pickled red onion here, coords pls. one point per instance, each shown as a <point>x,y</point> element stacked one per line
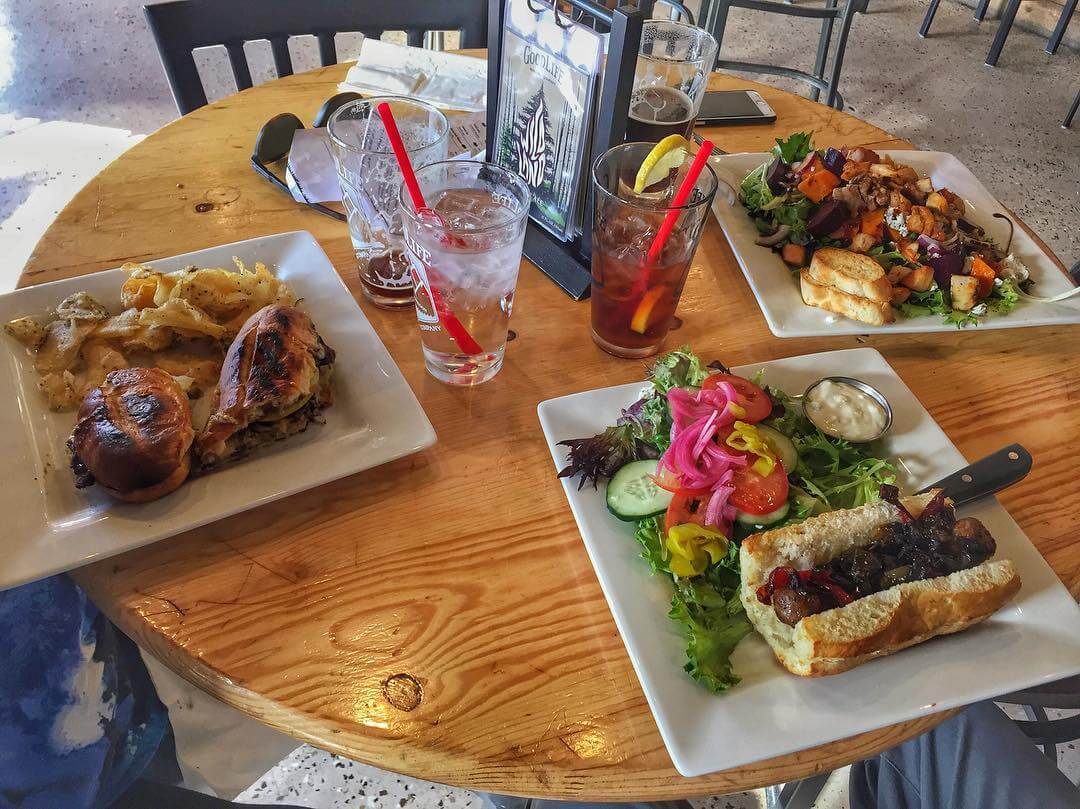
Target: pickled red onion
<point>718,512</point>
<point>687,407</point>
<point>697,460</point>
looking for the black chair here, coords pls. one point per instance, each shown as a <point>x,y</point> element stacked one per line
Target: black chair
<point>713,17</point>
<point>1072,111</point>
<point>1008,16</point>
<point>181,26</point>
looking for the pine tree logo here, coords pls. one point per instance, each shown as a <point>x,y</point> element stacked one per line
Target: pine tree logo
<point>533,143</point>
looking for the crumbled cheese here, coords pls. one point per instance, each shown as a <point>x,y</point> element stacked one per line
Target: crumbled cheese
<point>933,286</point>
<point>979,310</point>
<point>998,282</point>
<point>1013,269</point>
<point>897,220</point>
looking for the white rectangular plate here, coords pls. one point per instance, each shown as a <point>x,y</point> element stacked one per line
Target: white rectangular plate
<point>1033,639</point>
<point>777,292</point>
<point>52,527</point>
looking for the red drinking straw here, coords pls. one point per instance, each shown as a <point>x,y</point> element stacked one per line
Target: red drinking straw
<point>681,196</point>
<point>448,319</point>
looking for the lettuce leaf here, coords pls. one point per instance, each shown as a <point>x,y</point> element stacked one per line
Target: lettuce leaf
<point>677,369</point>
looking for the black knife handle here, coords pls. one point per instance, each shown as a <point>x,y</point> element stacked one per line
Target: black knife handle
<point>986,476</point>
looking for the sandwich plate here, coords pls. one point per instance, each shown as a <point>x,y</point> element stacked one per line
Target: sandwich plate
<point>1033,639</point>
<point>52,527</point>
<point>777,291</point>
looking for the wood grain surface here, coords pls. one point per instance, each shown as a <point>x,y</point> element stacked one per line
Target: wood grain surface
<point>438,616</point>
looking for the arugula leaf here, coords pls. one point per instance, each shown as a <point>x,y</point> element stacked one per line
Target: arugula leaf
<point>756,193</point>
<point>794,148</point>
<point>677,369</point>
<point>795,215</point>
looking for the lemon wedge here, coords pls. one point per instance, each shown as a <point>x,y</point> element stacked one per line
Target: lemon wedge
<point>665,156</point>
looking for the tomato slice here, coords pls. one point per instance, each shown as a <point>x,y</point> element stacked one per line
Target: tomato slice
<point>755,494</point>
<point>684,509</point>
<point>757,403</point>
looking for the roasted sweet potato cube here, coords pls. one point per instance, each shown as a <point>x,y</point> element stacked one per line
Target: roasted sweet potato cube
<point>899,295</point>
<point>908,249</point>
<point>794,255</point>
<point>984,274</point>
<point>873,223</point>
<point>898,273</point>
<point>819,185</point>
<point>920,279</point>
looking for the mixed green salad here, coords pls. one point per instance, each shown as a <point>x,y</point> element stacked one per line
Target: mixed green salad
<point>937,262</point>
<point>702,460</point>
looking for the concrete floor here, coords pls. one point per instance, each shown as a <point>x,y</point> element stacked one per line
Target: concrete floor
<point>80,82</point>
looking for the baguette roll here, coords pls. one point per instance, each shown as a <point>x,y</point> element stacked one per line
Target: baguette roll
<point>839,639</point>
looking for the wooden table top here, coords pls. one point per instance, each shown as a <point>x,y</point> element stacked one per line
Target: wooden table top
<point>438,616</point>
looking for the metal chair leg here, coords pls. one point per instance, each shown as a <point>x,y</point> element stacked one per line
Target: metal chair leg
<point>1037,714</point>
<point>823,48</point>
<point>1002,32</point>
<point>1072,112</point>
<point>1062,23</point>
<point>841,44</point>
<point>980,10</point>
<point>718,23</point>
<point>924,29</point>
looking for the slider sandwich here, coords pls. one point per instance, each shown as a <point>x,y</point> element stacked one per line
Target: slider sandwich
<point>275,381</point>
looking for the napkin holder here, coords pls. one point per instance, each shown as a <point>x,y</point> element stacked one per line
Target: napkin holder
<point>567,263</point>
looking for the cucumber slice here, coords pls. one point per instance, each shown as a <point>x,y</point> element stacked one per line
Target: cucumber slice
<point>632,495</point>
<point>763,519</point>
<point>789,456</point>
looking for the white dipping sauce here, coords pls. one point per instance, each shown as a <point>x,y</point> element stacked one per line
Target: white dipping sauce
<point>843,410</point>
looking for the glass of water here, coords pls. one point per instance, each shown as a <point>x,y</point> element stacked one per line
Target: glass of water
<point>465,251</point>
<point>370,178</point>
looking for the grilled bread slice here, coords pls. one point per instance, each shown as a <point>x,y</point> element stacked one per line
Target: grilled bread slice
<point>850,272</point>
<point>864,310</point>
<point>839,639</point>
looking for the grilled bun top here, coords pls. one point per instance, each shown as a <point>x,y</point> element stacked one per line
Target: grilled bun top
<point>269,371</point>
<point>133,431</point>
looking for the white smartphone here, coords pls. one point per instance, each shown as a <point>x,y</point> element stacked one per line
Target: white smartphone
<point>734,107</point>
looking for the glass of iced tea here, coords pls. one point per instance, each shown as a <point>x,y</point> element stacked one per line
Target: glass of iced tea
<point>670,80</point>
<point>370,179</point>
<point>633,298</point>
<point>465,251</point>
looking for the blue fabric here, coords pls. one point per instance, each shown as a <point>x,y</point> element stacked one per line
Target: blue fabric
<point>79,716</point>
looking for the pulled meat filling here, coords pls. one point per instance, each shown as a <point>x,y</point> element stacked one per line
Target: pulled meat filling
<point>933,544</point>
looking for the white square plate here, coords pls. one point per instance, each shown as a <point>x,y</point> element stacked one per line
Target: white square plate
<point>777,291</point>
<point>1033,639</point>
<point>52,527</point>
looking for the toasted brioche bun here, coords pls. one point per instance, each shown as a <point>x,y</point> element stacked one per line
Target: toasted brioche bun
<point>853,273</point>
<point>843,303</point>
<point>840,639</point>
<point>148,493</point>
<point>133,435</point>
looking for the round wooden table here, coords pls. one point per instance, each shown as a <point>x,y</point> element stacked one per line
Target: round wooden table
<point>438,616</point>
